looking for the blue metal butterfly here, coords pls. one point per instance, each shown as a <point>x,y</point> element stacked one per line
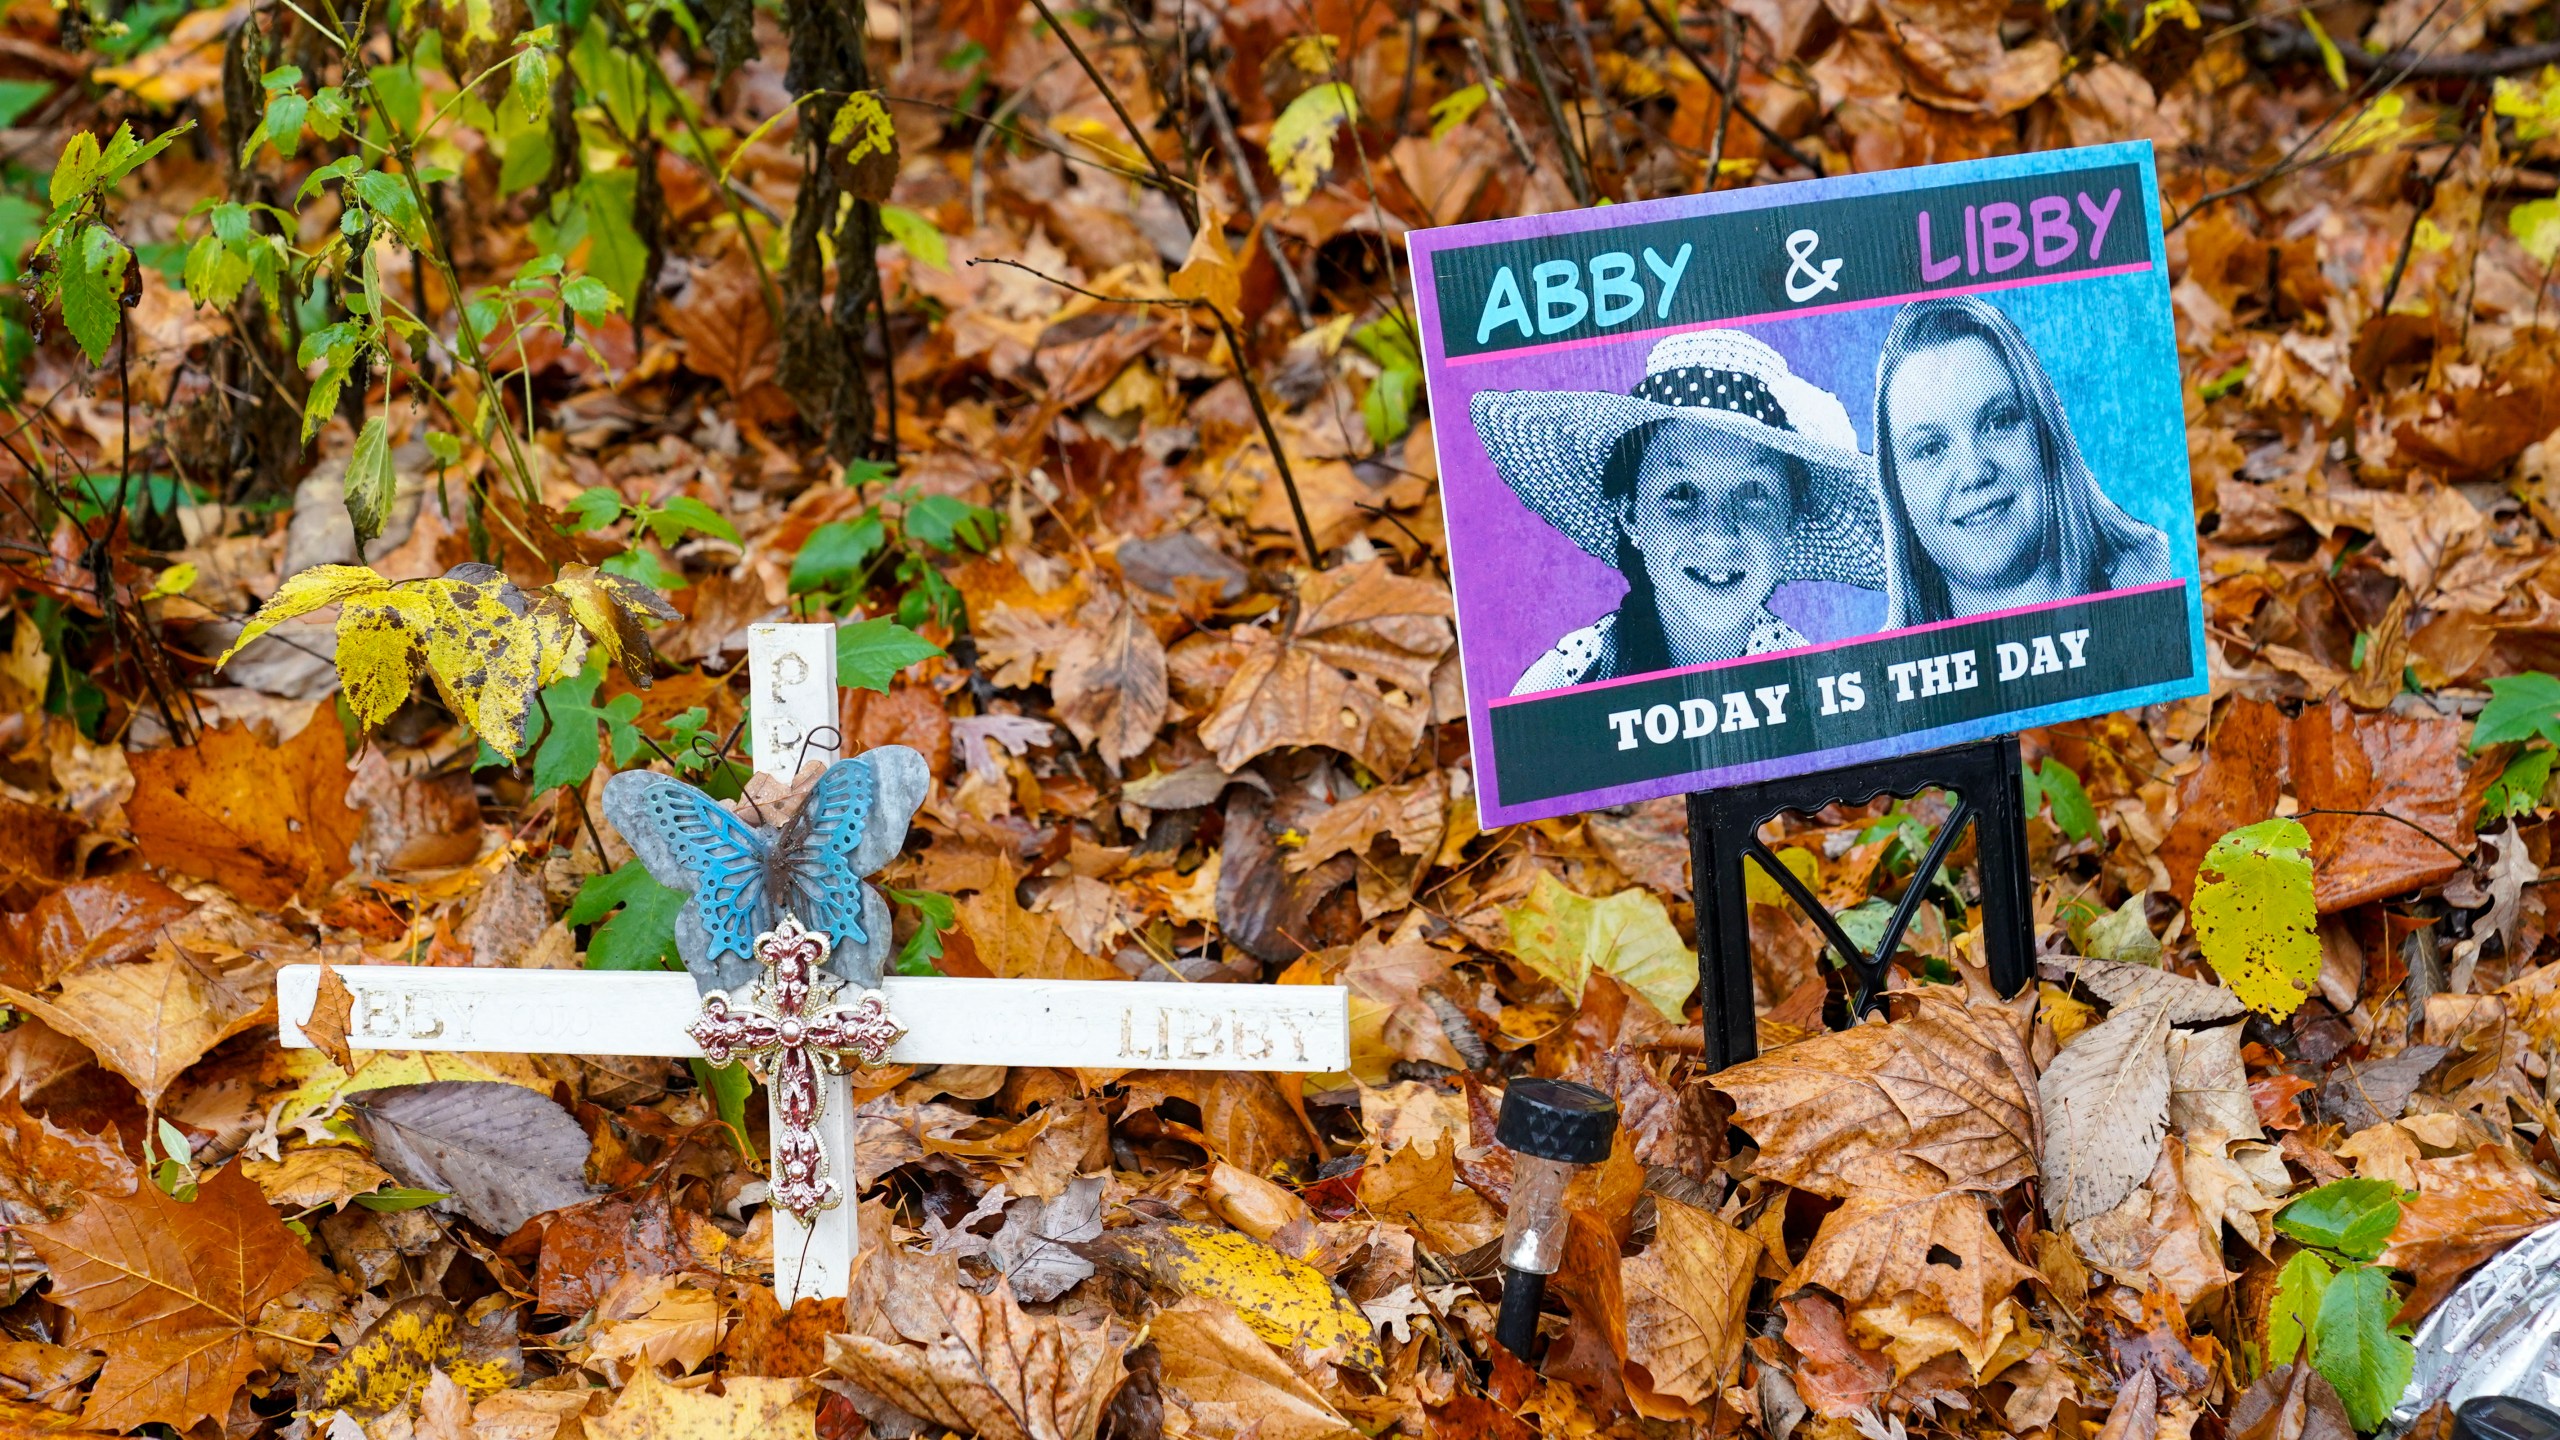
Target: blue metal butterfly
<point>744,877</point>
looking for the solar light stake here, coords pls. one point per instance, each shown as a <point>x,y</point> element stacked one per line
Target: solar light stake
<point>1552,1128</point>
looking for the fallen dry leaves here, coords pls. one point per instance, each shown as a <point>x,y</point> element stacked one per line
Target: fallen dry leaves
<point>184,1297</point>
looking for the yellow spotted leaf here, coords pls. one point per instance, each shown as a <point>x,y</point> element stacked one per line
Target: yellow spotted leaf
<point>610,607</point>
<point>389,1366</point>
<point>2254,915</point>
<point>1301,147</point>
<point>487,645</point>
<point>319,586</point>
<point>1287,1301</point>
<point>862,126</point>
<point>1565,935</point>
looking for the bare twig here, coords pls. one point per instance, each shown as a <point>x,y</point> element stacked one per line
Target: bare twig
<point>2285,45</point>
<point>1172,188</point>
<point>1501,111</point>
<point>1724,88</point>
<point>1235,352</point>
<point>1577,174</point>
<point>1581,33</point>
<point>1724,106</point>
<point>1250,191</point>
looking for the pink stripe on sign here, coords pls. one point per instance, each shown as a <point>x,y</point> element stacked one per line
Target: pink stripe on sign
<point>1983,289</point>
<point>1839,644</point>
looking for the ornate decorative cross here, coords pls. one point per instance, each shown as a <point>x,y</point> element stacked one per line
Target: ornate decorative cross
<point>788,1026</point>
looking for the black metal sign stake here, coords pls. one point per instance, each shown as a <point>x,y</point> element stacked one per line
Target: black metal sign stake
<point>1724,834</point>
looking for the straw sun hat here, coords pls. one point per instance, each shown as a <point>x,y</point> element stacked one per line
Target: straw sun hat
<point>1550,446</point>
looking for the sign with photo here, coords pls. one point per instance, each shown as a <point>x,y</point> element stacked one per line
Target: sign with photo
<point>1778,480</point>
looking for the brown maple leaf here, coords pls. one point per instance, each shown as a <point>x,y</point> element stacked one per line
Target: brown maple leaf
<point>177,1294</point>
<point>269,821</point>
<point>149,1021</point>
<point>1876,1247</point>
<point>994,1372</point>
<point>1943,1098</point>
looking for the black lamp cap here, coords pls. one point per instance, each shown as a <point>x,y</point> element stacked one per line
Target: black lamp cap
<point>1557,1120</point>
<point>2504,1417</point>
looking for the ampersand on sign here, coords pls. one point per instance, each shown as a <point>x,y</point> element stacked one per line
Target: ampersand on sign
<point>1815,278</point>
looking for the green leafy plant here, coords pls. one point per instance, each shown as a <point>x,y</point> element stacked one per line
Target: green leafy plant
<point>2332,1301</point>
<point>85,262</point>
<point>2522,710</point>
<point>896,538</point>
<point>640,933</point>
<point>1387,408</point>
<point>2058,785</point>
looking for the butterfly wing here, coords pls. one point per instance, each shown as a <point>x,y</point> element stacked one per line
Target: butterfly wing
<point>831,826</point>
<point>721,855</point>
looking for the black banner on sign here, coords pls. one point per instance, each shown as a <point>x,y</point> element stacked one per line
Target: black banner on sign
<point>1626,280</point>
<point>1904,683</point>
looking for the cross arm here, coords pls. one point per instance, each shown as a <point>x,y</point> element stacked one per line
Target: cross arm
<point>1093,1024</point>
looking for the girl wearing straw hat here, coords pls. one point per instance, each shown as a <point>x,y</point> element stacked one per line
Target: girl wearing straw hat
<point>1722,476</point>
<point>1988,502</point>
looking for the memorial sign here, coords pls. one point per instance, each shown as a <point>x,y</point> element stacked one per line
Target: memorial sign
<point>1765,482</point>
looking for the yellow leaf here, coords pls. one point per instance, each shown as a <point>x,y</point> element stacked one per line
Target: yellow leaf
<point>1287,1301</point>
<point>389,1366</point>
<point>1565,936</point>
<point>1301,146</point>
<point>1762,888</point>
<point>610,607</point>
<point>379,636</point>
<point>2255,917</point>
<point>862,127</point>
<point>308,591</point>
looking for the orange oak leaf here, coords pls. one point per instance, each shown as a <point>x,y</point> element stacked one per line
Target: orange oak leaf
<point>174,1292</point>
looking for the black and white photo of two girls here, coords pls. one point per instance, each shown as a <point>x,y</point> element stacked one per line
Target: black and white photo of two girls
<point>1723,475</point>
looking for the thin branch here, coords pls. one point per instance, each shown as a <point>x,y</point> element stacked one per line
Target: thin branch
<point>1164,177</point>
<point>1577,173</point>
<point>1679,42</point>
<point>1249,191</point>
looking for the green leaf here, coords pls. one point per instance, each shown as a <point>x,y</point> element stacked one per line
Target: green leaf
<point>590,297</point>
<point>934,914</point>
<point>2518,788</point>
<point>1301,145</point>
<point>1454,109</point>
<point>923,240</point>
<point>2353,1217</point>
<point>371,480</point>
<point>615,253</point>
<point>286,110</point>
<point>729,1086</point>
<point>2520,707</point>
<point>671,521</point>
<point>2254,916</point>
<point>2353,1347</point>
<point>596,507</point>
<point>93,291</point>
<point>835,553</point>
<point>1387,410</point>
<point>2072,812</point>
<point>947,522</point>
<point>17,97</point>
<point>642,564</point>
<point>870,653</point>
<point>74,168</point>
<point>2536,226</point>
<point>391,1199</point>
<point>2123,935</point>
<point>2296,1307</point>
<point>642,935</point>
<point>446,448</point>
<point>569,752</point>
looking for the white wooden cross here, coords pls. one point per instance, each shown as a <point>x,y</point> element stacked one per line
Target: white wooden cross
<point>1063,1023</point>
